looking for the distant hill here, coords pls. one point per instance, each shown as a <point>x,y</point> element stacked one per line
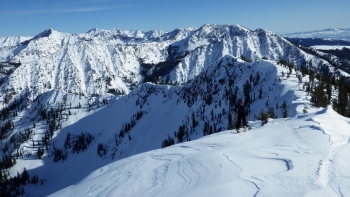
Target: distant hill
<point>329,33</point>
<point>342,52</point>
<point>317,41</point>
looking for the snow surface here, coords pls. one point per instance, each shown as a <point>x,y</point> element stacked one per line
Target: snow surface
<point>306,155</point>
<point>303,155</point>
<point>12,41</point>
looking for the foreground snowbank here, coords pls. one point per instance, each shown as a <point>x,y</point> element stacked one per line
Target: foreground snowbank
<point>300,156</point>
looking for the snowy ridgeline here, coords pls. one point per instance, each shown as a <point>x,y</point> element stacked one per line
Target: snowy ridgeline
<point>327,47</point>
<point>304,155</point>
<point>330,33</point>
<point>116,61</point>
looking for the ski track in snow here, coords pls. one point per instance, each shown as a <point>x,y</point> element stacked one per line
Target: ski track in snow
<point>329,171</point>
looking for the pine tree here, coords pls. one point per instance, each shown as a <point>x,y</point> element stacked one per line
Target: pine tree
<point>246,90</point>
<point>40,153</point>
<point>271,112</point>
<point>284,108</point>
<point>342,104</point>
<point>263,117</point>
<point>257,78</point>
<point>168,142</point>
<point>319,97</point>
<point>24,177</point>
<point>181,133</point>
<point>260,93</point>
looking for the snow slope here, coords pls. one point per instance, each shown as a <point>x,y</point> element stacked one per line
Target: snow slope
<point>13,41</point>
<point>306,155</point>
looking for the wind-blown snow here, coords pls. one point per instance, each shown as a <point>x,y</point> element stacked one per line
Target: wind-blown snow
<point>301,156</point>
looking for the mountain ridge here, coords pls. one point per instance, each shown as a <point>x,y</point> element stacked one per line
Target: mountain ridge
<point>328,33</point>
<point>109,63</point>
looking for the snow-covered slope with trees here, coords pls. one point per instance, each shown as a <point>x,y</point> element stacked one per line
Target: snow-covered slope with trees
<point>306,155</point>
<point>93,98</point>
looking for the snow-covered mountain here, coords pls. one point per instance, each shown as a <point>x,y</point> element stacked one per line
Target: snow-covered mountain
<point>119,61</point>
<point>73,100</point>
<point>329,33</point>
<point>13,41</point>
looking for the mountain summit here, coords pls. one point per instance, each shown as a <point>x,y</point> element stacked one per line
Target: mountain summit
<point>118,61</point>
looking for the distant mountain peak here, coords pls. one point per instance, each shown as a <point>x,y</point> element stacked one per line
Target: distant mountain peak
<point>94,31</point>
<point>45,33</point>
<point>118,61</point>
<point>220,26</point>
<point>264,31</point>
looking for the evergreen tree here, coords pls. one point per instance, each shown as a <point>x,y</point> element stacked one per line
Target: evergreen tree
<point>284,108</point>
<point>257,78</point>
<point>230,125</point>
<point>40,153</point>
<point>343,99</point>
<point>329,91</point>
<point>168,142</point>
<point>24,177</point>
<point>181,133</point>
<point>263,117</point>
<point>246,90</point>
<point>260,93</point>
<point>319,97</point>
<point>194,122</point>
<point>271,112</point>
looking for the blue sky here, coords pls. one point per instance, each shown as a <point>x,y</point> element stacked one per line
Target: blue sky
<point>28,18</point>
